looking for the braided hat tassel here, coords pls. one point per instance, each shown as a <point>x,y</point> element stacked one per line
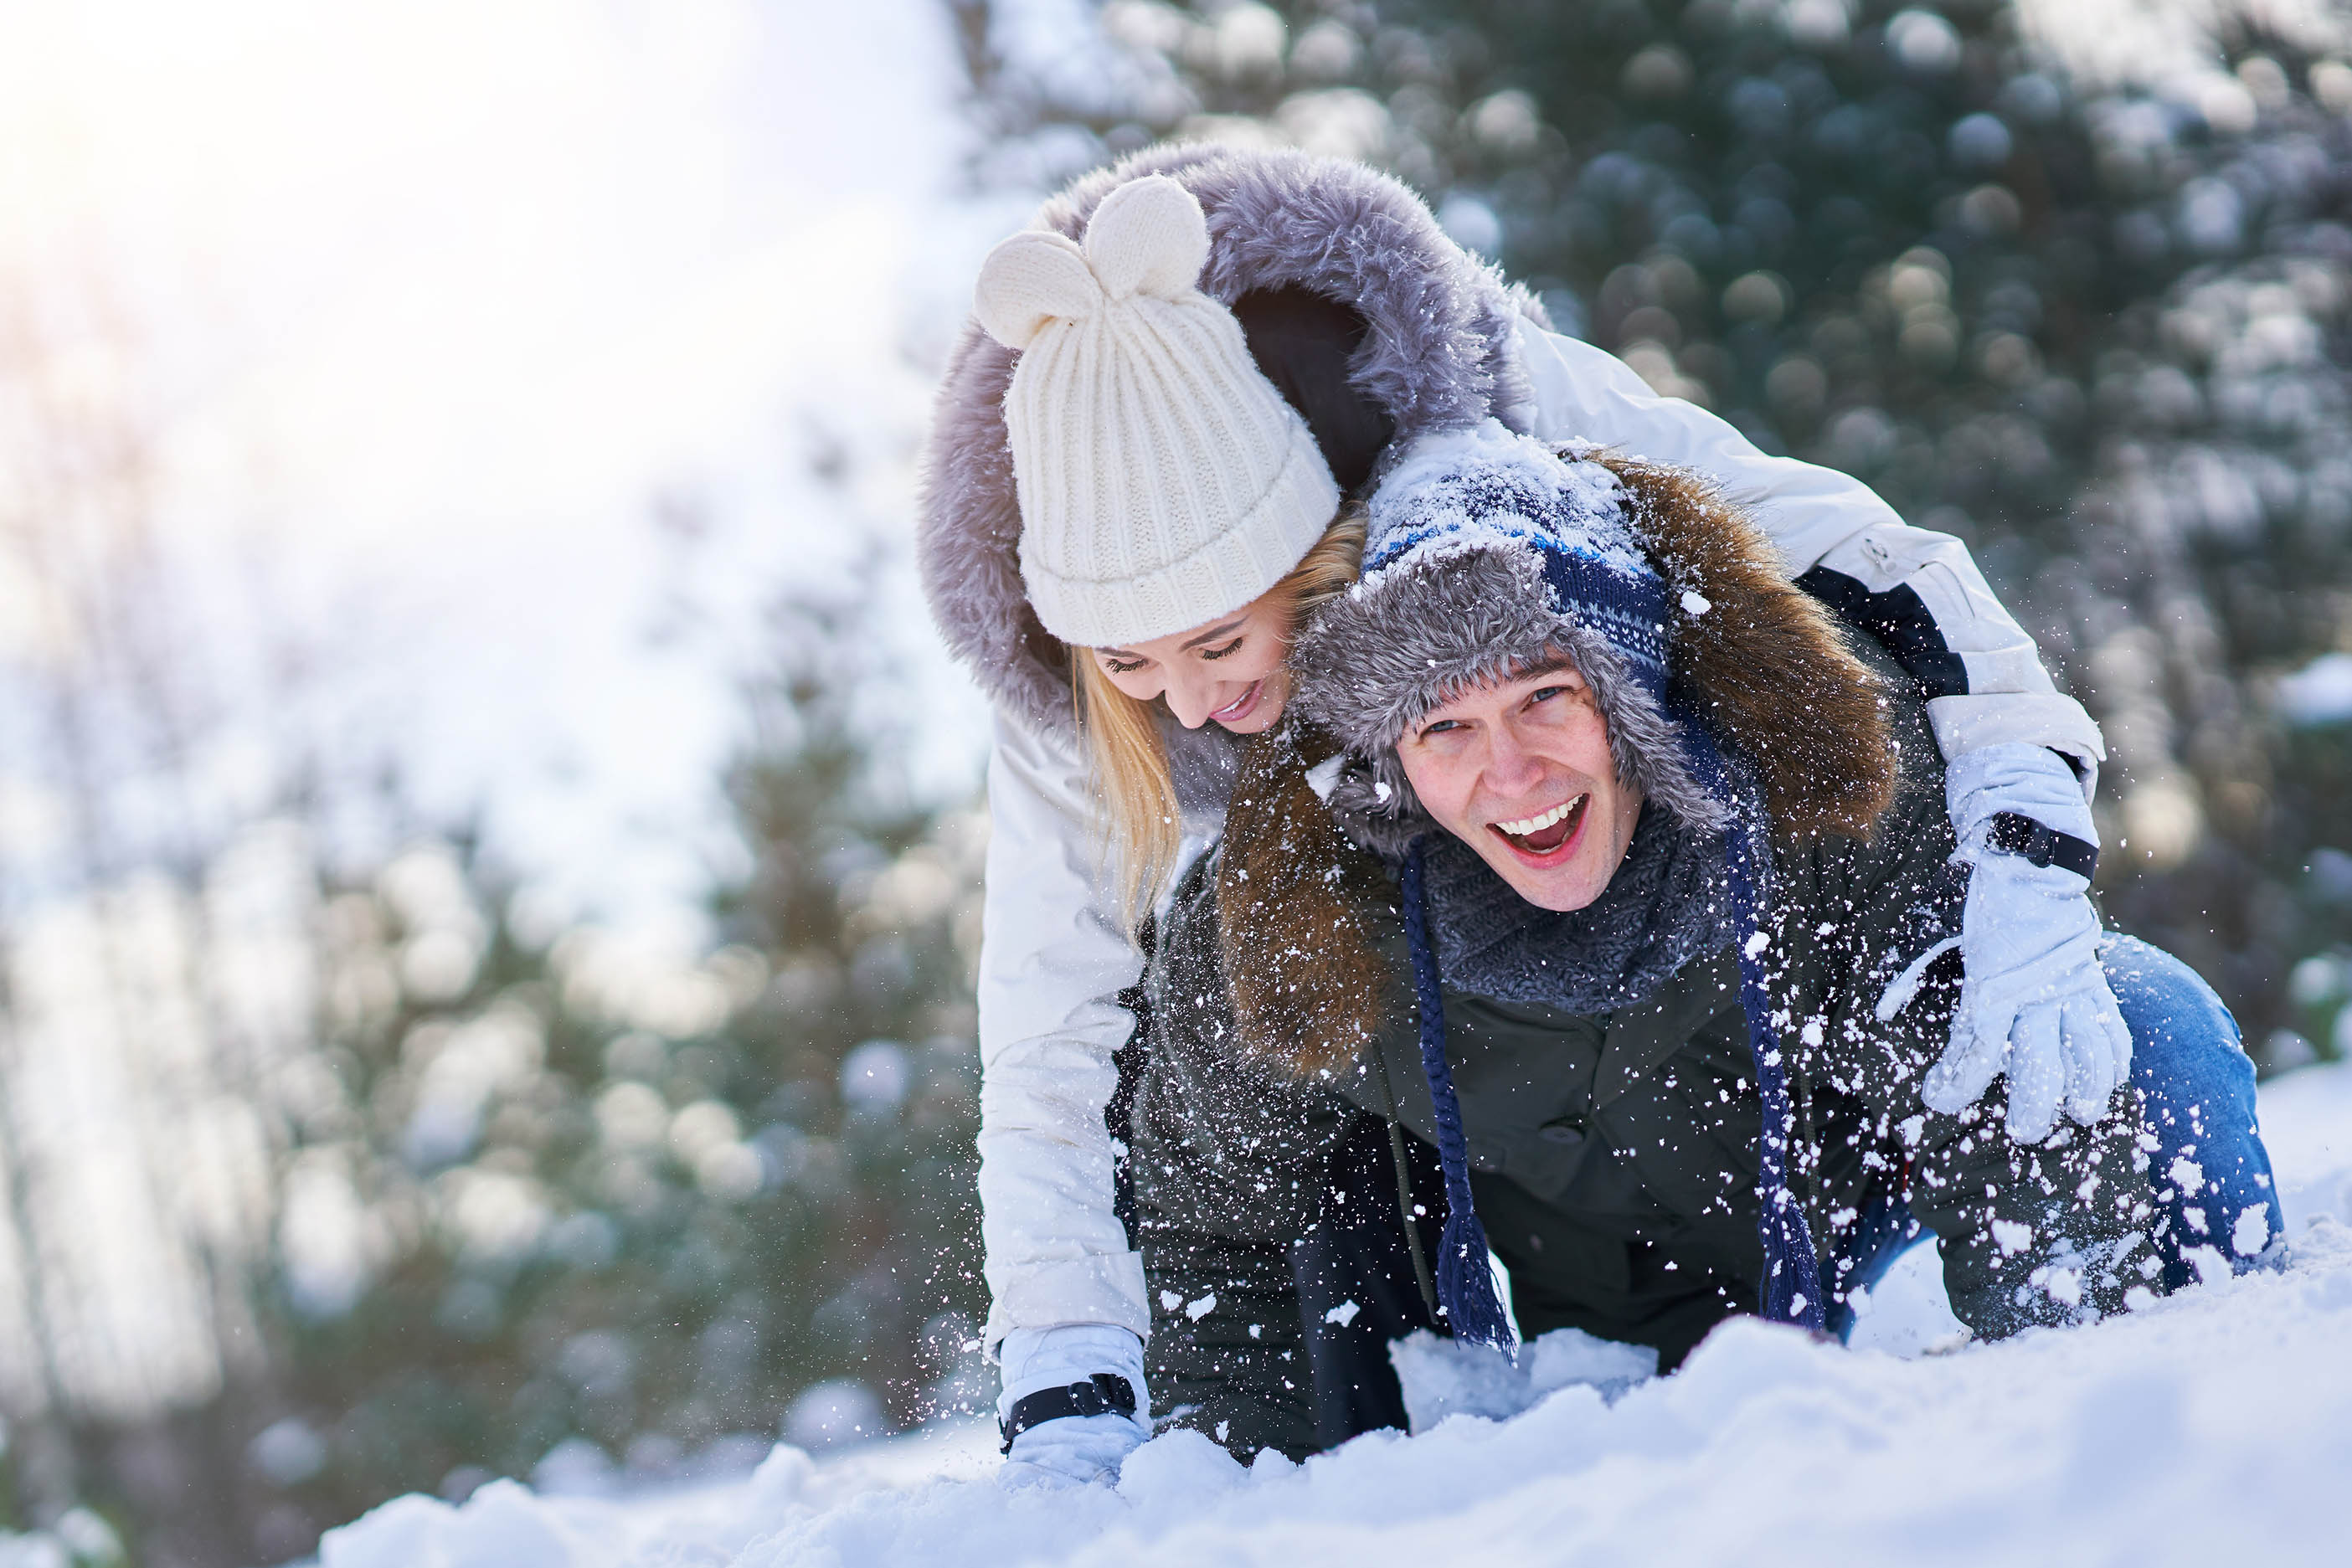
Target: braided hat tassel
<point>1465,1284</point>
<point>1793,1283</point>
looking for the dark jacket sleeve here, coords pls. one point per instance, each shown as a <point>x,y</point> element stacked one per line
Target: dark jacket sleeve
<point>2057,1233</point>
<point>1227,1356</point>
<point>1226,1158</point>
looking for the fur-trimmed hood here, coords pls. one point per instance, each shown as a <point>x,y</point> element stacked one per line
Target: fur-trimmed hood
<point>1751,654</point>
<point>1439,352</point>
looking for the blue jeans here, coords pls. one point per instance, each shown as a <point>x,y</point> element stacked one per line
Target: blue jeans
<point>2211,1174</point>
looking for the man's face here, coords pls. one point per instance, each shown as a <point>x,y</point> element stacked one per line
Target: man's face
<point>1520,771</point>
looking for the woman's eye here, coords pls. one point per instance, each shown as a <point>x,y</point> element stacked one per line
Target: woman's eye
<point>1221,653</point>
<point>1123,666</point>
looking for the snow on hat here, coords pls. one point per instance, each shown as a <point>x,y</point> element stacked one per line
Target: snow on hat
<point>1163,481</point>
<point>1486,552</point>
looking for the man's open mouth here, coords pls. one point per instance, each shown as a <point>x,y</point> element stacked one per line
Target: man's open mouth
<point>1545,831</point>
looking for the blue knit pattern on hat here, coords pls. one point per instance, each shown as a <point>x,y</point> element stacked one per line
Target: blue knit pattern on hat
<point>1489,489</point>
<point>1629,611</point>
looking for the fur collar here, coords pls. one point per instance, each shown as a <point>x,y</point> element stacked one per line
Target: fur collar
<point>1762,660</point>
<point>1440,353</point>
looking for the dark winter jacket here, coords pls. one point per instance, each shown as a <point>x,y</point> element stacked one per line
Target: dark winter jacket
<point>1615,1155</point>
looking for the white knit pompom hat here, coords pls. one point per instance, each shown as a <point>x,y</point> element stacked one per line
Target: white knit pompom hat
<point>1163,481</point>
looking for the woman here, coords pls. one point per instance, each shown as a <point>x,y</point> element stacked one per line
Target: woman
<point>1080,540</point>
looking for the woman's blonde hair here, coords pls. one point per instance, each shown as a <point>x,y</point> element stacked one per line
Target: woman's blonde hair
<point>1135,793</point>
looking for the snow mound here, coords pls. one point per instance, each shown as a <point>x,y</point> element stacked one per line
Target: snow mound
<point>2216,1425</point>
<point>1444,1378</point>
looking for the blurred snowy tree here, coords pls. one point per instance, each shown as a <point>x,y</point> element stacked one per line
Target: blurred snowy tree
<point>2071,286</point>
<point>558,1195</point>
<point>333,1165</point>
<point>160,838</point>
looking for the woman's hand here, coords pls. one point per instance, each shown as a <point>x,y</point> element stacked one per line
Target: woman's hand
<point>1060,1405</point>
<point>1071,1452</point>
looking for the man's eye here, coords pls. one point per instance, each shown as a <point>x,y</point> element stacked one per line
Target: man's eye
<point>1545,694</point>
<point>1440,727</point>
<point>1123,666</point>
<point>1221,653</point>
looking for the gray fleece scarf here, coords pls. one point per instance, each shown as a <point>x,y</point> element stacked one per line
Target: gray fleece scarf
<point>1669,903</point>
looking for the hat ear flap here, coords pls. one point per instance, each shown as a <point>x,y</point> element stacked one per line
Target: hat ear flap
<point>1767,662</point>
<point>1284,872</point>
<point>1030,279</point>
<point>1149,236</point>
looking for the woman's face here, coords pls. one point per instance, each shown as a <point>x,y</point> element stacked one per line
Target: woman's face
<point>1230,670</point>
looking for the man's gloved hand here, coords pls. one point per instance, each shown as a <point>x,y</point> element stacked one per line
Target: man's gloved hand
<point>1071,1449</point>
<point>2035,1004</point>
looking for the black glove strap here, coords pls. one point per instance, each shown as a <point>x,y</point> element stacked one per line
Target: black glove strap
<point>1101,1395</point>
<point>2020,835</point>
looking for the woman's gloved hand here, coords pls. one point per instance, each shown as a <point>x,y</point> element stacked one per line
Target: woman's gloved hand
<point>2035,1004</point>
<point>1089,1362</point>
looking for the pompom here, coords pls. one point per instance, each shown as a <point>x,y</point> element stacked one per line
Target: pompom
<point>1030,279</point>
<point>1149,236</point>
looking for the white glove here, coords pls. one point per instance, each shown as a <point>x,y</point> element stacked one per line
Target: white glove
<point>1071,1450</point>
<point>2035,1004</point>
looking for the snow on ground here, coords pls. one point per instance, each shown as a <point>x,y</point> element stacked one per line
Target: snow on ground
<point>2216,1425</point>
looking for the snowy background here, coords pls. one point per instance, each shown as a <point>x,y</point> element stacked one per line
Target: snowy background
<point>488,843</point>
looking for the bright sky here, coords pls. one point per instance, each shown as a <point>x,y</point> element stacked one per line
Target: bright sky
<point>439,294</point>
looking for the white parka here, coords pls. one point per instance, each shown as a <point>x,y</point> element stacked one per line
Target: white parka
<point>1053,957</point>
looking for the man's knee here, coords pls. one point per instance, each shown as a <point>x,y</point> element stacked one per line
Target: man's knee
<point>2184,1044</point>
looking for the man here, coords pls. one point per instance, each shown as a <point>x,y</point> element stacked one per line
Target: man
<point>1660,979</point>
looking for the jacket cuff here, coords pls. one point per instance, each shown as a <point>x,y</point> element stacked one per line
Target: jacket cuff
<point>1107,1288</point>
<point>1966,724</point>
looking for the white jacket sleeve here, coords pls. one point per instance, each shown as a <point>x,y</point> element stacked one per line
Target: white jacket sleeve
<point>1052,963</point>
<point>1919,591</point>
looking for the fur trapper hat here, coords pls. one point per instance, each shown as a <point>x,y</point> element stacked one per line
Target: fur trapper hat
<point>1745,648</point>
<point>1488,552</point>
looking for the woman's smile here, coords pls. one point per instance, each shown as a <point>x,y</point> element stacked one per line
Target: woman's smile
<point>1241,706</point>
